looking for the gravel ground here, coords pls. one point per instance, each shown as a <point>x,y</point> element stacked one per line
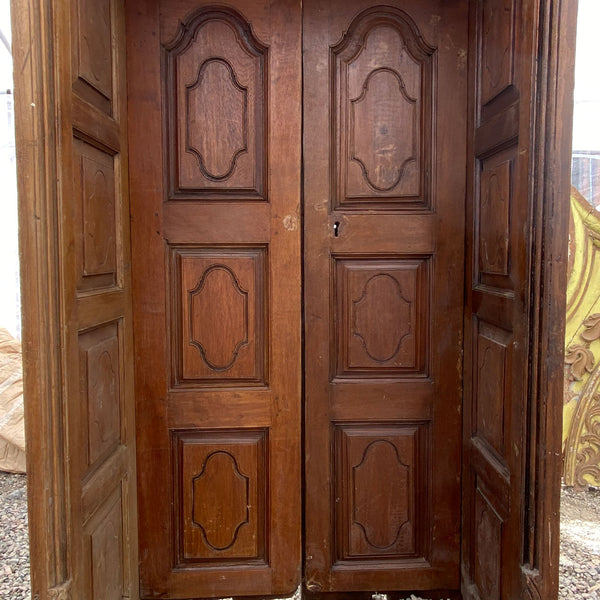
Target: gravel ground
<point>14,547</point>
<point>579,546</point>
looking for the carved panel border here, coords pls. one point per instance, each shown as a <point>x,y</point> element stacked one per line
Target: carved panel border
<point>219,316</point>
<point>491,384</point>
<point>220,497</point>
<point>101,393</point>
<point>496,33</point>
<point>216,62</point>
<point>93,59</point>
<point>381,473</point>
<point>387,169</point>
<point>381,316</point>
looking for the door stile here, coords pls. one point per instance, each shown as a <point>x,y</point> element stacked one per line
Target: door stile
<point>76,298</point>
<point>35,117</point>
<point>216,249</point>
<point>551,188</point>
<point>383,254</point>
<point>517,213</point>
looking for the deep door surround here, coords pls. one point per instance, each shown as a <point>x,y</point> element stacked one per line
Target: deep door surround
<point>41,44</point>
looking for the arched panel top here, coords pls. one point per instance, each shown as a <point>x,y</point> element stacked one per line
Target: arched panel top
<point>383,110</point>
<point>215,94</point>
<point>193,23</point>
<point>355,37</point>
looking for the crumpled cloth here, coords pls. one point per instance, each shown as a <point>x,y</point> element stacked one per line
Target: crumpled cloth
<point>12,426</point>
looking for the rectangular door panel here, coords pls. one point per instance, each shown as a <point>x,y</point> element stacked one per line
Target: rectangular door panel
<point>215,137</point>
<point>383,234</point>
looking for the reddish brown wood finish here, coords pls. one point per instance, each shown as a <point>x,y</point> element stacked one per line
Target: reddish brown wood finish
<point>520,115</point>
<point>80,347</point>
<point>214,98</point>
<point>78,357</point>
<point>384,159</point>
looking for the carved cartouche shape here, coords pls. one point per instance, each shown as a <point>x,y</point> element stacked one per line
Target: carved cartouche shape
<point>380,485</point>
<point>218,323</point>
<point>381,317</point>
<point>220,500</point>
<point>382,131</point>
<point>382,80</point>
<point>216,93</point>
<point>217,131</point>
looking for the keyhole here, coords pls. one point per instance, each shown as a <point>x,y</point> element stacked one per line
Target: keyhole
<point>336,228</point>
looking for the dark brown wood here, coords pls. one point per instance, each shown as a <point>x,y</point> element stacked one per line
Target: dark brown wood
<point>217,275</point>
<point>214,97</point>
<point>77,302</point>
<point>520,115</point>
<point>384,126</point>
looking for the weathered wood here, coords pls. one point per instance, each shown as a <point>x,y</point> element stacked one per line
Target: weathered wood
<point>384,159</point>
<point>216,263</point>
<point>223,411</point>
<point>75,239</point>
<point>517,230</point>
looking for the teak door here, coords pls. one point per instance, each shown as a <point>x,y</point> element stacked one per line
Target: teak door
<point>355,125</point>
<point>384,191</point>
<point>215,137</point>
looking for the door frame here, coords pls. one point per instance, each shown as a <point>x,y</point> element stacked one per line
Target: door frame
<point>36,32</point>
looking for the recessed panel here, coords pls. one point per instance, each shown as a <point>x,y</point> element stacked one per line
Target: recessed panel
<point>488,545</point>
<point>105,549</point>
<point>96,219</point>
<point>219,316</point>
<point>491,381</point>
<point>497,48</point>
<point>381,317</point>
<point>381,491</point>
<point>493,225</point>
<point>100,385</point>
<point>93,63</point>
<point>215,96</point>
<point>220,496</point>
<point>382,111</point>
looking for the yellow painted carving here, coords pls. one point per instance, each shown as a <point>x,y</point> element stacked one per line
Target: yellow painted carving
<point>581,413</point>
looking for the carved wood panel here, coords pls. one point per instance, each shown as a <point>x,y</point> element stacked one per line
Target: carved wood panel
<point>219,327</point>
<point>100,385</point>
<point>215,137</point>
<point>492,367</point>
<point>382,98</point>
<point>382,312</point>
<point>105,543</point>
<point>488,546</point>
<point>95,213</point>
<point>93,52</point>
<point>494,215</point>
<point>220,496</point>
<point>380,475</point>
<point>497,29</point>
<point>215,92</point>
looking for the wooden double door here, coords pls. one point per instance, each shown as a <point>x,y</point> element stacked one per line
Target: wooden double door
<point>255,126</point>
<point>292,295</point>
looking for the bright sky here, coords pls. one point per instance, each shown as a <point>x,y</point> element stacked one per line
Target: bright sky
<point>9,265</point>
<point>5,61</point>
<point>586,118</point>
